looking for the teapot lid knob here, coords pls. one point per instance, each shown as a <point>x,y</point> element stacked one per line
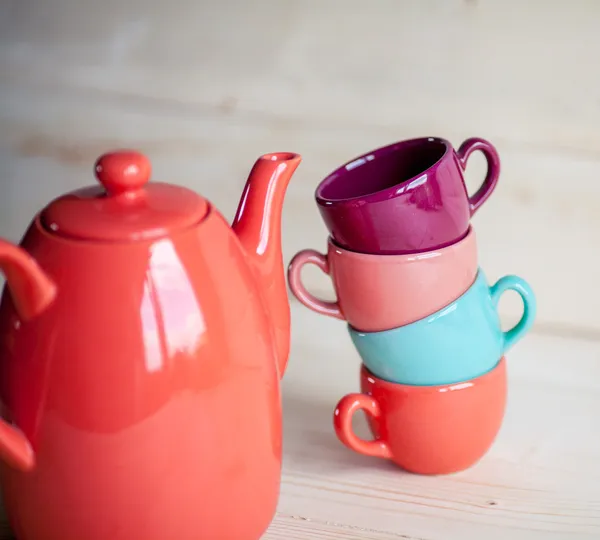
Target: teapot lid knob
<point>123,171</point>
<point>125,206</point>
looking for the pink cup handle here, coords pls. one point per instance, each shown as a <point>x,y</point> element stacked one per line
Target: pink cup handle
<point>342,422</point>
<point>310,256</point>
<point>493,162</point>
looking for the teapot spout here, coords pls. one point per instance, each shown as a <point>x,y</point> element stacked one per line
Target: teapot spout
<point>257,224</point>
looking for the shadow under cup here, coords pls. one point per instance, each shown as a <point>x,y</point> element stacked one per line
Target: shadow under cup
<point>426,429</point>
<point>406,197</point>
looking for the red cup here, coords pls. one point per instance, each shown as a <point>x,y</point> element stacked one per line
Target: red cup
<point>426,429</point>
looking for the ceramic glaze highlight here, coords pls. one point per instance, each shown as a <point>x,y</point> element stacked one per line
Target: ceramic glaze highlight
<point>145,394</point>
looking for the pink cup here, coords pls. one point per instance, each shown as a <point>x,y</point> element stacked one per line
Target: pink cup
<point>379,292</point>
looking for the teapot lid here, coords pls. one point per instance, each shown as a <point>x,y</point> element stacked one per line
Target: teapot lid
<point>126,206</point>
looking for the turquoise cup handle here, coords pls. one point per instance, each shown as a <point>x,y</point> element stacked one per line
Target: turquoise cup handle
<point>523,289</point>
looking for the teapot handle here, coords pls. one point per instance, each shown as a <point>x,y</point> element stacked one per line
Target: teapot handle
<point>32,291</point>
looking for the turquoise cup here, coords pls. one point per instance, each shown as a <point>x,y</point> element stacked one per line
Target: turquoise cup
<point>459,342</point>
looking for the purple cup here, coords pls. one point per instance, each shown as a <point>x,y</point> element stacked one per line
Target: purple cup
<point>407,197</point>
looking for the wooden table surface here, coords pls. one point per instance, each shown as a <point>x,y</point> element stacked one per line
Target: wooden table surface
<point>540,480</point>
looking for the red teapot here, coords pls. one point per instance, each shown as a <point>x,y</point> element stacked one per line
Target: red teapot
<point>142,340</point>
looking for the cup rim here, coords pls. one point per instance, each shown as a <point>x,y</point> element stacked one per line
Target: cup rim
<point>381,194</point>
<point>395,258</point>
<point>478,276</point>
<point>430,389</point>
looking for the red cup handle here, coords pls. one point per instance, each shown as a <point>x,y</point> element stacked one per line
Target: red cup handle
<point>342,422</point>
<point>310,256</point>
<point>493,162</point>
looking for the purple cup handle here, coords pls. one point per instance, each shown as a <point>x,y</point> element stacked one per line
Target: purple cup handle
<point>310,256</point>
<point>493,162</point>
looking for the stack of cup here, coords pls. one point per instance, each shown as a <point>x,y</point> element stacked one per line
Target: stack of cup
<point>403,259</point>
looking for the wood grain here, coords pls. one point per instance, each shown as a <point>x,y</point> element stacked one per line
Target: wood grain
<point>206,87</point>
<point>540,480</point>
<point>45,149</point>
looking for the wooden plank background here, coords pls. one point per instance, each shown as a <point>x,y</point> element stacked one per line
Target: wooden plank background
<point>204,87</point>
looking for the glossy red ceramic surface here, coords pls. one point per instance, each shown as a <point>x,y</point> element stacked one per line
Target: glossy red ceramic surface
<point>426,429</point>
<point>140,376</point>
